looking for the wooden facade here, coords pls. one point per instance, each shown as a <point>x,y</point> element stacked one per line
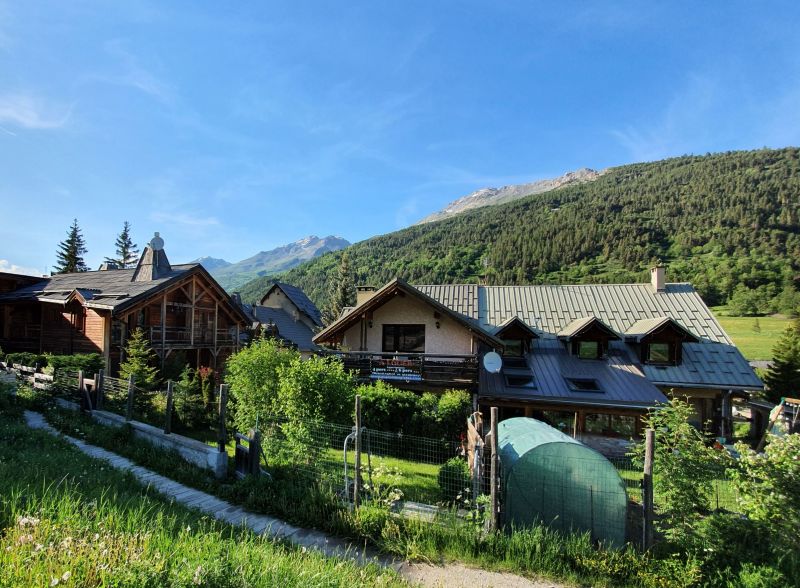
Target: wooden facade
<point>181,310</point>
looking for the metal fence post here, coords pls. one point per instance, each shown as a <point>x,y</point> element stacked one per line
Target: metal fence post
<point>129,407</point>
<point>647,489</point>
<point>168,411</point>
<point>223,407</point>
<point>357,468</point>
<point>493,521</point>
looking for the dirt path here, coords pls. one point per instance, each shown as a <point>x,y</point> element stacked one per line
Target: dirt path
<point>459,576</point>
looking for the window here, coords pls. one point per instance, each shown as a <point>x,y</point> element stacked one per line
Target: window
<point>589,350</point>
<point>520,381</point>
<point>78,320</point>
<point>659,353</point>
<point>513,347</point>
<point>404,338</point>
<point>583,385</point>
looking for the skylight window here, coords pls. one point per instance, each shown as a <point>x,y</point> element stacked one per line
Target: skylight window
<point>583,385</point>
<point>520,381</point>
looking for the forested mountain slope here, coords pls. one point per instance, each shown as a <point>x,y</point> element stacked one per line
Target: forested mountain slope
<point>726,222</point>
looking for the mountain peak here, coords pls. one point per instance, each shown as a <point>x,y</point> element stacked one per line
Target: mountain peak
<point>492,196</point>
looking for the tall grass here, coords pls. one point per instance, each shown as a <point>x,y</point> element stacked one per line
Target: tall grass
<point>66,519</point>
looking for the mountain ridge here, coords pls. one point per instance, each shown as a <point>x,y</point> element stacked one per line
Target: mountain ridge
<point>493,196</point>
<point>265,263</point>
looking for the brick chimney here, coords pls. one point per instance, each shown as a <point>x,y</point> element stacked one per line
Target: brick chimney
<point>658,278</point>
<point>364,293</point>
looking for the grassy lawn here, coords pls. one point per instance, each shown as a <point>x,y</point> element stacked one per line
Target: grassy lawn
<point>754,341</point>
<point>66,519</point>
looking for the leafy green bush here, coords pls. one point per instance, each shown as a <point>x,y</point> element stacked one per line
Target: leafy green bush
<point>453,408</point>
<point>386,408</point>
<point>252,375</point>
<point>454,479</point>
<point>26,359</point>
<point>90,363</point>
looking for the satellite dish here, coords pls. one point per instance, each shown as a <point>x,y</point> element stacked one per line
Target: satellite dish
<point>492,362</point>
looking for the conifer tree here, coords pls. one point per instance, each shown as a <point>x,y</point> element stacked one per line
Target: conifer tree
<point>139,362</point>
<point>342,291</point>
<point>783,377</point>
<point>127,250</point>
<point>71,251</point>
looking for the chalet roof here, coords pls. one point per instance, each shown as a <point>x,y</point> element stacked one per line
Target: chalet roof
<point>299,299</point>
<point>296,332</point>
<point>581,325</point>
<point>550,308</point>
<point>112,290</point>
<point>620,381</point>
<point>345,321</point>
<point>642,328</point>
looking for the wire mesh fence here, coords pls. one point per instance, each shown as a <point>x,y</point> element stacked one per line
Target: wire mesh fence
<point>65,385</point>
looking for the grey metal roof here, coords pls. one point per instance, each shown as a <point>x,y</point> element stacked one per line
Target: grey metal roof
<point>296,332</point>
<point>462,298</point>
<point>550,308</point>
<point>714,365</point>
<point>621,381</point>
<point>301,301</point>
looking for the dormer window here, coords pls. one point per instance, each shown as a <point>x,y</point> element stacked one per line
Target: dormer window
<point>660,340</point>
<point>587,338</point>
<point>516,337</point>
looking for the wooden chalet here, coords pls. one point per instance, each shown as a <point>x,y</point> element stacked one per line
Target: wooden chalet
<point>180,308</point>
<point>590,359</point>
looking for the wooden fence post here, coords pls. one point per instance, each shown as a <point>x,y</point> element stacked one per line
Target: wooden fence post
<point>223,408</point>
<point>647,489</point>
<point>129,407</point>
<point>254,452</point>
<point>100,388</point>
<point>493,521</point>
<point>168,411</point>
<point>357,468</point>
<point>80,385</point>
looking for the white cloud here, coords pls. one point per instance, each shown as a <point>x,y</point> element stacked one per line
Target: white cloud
<point>7,266</point>
<point>683,126</point>
<point>31,112</point>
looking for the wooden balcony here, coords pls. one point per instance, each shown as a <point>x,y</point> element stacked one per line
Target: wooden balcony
<point>181,337</point>
<point>417,370</point>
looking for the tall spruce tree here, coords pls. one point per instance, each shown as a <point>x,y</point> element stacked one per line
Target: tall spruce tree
<point>71,251</point>
<point>342,291</point>
<point>127,250</point>
<point>783,377</point>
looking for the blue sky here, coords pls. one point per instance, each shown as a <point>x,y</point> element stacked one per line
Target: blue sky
<point>234,127</point>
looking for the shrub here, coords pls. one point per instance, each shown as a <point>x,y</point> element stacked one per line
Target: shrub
<point>252,375</point>
<point>385,408</point>
<point>453,409</point>
<point>90,363</point>
<point>26,359</point>
<point>455,480</point>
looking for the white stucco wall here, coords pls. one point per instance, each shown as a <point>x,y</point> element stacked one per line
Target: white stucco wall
<point>450,338</point>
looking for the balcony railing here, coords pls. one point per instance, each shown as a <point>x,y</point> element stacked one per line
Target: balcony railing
<point>182,337</point>
<point>434,369</point>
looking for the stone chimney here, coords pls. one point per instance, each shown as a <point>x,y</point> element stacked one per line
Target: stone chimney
<point>658,278</point>
<point>364,293</point>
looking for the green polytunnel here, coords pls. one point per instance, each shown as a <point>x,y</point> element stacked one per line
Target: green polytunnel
<point>550,478</point>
